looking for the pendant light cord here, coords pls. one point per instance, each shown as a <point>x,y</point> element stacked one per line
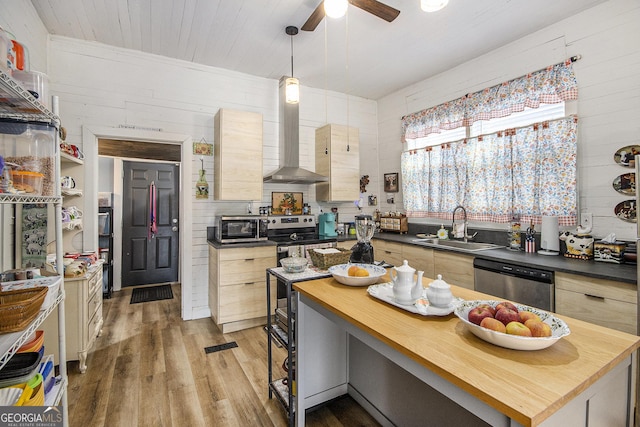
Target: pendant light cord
<point>291,37</point>
<point>347,69</point>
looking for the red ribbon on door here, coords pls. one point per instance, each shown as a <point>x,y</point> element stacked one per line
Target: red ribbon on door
<point>153,227</point>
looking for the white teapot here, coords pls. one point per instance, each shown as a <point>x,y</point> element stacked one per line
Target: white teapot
<point>406,289</point>
<point>439,293</point>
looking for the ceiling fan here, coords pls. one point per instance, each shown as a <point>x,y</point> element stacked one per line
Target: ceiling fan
<point>374,7</point>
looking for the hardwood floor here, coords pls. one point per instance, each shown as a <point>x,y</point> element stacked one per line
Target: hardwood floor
<point>149,368</point>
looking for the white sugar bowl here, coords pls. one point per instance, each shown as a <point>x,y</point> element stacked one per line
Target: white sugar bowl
<point>439,293</point>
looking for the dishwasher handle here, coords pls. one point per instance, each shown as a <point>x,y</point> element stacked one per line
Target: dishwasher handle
<point>518,271</point>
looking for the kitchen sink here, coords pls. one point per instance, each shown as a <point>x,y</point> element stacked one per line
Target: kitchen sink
<point>457,244</point>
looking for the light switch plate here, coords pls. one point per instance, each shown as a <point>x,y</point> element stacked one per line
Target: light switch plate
<point>586,219</point>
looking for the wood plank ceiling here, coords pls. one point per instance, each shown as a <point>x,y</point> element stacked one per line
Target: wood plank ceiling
<point>248,35</point>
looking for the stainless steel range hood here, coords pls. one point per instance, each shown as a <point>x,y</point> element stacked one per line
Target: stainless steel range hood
<point>290,171</point>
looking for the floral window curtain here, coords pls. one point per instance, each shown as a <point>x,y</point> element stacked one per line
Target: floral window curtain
<point>554,84</point>
<point>530,171</point>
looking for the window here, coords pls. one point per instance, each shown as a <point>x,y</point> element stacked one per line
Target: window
<point>528,116</point>
<point>505,150</point>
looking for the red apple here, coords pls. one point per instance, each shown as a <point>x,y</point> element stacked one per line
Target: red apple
<point>517,328</point>
<point>506,315</point>
<point>477,314</point>
<point>493,324</point>
<point>506,304</point>
<point>526,315</point>
<point>538,328</point>
<point>488,307</point>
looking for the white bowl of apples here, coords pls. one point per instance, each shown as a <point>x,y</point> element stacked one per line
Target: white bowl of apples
<point>511,325</point>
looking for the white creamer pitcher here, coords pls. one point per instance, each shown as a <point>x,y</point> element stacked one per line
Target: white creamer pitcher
<point>406,288</point>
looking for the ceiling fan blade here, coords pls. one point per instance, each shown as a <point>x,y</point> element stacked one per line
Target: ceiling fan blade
<point>376,8</point>
<point>314,19</point>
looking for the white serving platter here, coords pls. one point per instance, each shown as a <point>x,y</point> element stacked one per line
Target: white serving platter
<point>384,292</point>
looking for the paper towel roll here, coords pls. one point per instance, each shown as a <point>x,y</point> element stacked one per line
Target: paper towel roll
<point>549,241</point>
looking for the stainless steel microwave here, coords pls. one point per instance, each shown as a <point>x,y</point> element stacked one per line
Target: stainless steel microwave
<point>241,228</point>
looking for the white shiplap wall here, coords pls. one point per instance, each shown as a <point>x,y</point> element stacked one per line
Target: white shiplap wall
<point>609,96</point>
<point>103,86</point>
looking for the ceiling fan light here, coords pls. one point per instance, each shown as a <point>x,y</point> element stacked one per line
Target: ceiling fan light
<point>335,8</point>
<point>292,90</point>
<point>433,5</point>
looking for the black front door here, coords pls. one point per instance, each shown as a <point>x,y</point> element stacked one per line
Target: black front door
<point>150,248</point>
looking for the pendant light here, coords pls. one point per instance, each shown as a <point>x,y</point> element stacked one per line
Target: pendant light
<point>335,8</point>
<point>433,5</point>
<point>291,84</point>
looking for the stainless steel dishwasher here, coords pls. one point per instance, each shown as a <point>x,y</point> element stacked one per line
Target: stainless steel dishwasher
<point>525,285</point>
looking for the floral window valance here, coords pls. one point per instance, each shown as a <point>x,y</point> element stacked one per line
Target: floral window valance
<point>556,83</point>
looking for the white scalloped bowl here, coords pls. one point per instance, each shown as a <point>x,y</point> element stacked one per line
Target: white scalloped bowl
<point>340,272</point>
<point>559,328</point>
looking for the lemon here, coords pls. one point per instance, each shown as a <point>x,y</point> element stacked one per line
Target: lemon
<point>362,272</point>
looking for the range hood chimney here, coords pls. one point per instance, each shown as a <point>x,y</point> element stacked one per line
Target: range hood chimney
<point>290,171</point>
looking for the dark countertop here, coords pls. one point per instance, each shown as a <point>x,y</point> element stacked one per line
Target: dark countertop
<point>602,270</point>
<point>255,244</point>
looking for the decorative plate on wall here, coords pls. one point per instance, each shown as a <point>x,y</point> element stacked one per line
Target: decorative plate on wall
<point>625,156</point>
<point>625,184</point>
<point>626,210</point>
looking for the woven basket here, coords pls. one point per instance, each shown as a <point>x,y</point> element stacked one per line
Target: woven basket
<point>18,308</point>
<point>324,261</point>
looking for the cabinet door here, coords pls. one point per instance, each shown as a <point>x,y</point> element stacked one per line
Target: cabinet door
<point>338,157</point>
<point>391,252</point>
<point>456,269</point>
<point>420,258</point>
<point>238,155</point>
<point>347,244</point>
<point>602,302</point>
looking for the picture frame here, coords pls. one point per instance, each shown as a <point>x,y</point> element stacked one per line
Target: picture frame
<point>286,203</point>
<point>391,182</point>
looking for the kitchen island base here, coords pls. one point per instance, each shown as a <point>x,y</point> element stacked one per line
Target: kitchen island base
<point>338,350</point>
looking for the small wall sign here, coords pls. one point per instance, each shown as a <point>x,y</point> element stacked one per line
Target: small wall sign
<point>202,148</point>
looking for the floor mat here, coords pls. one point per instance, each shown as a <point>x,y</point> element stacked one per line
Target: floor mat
<point>153,293</point>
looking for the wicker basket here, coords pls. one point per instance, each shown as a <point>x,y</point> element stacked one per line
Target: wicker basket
<point>18,308</point>
<point>324,261</point>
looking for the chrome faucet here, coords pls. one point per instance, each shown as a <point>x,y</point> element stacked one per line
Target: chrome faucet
<point>454,231</point>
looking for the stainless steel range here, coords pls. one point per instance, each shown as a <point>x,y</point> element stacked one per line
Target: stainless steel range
<point>294,235</point>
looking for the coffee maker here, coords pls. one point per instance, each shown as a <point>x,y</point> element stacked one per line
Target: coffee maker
<point>362,251</point>
<point>327,225</point>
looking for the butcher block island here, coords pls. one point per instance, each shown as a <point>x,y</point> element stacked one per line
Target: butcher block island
<point>410,369</point>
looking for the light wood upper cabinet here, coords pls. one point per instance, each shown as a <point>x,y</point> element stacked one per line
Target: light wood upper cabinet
<point>338,157</point>
<point>603,302</point>
<point>237,155</point>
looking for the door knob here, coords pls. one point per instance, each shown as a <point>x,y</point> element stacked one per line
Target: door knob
<point>174,228</point>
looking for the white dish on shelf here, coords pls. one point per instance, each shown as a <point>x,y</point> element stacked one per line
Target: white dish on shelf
<point>340,272</point>
<point>9,395</point>
<point>384,292</point>
<point>559,328</point>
